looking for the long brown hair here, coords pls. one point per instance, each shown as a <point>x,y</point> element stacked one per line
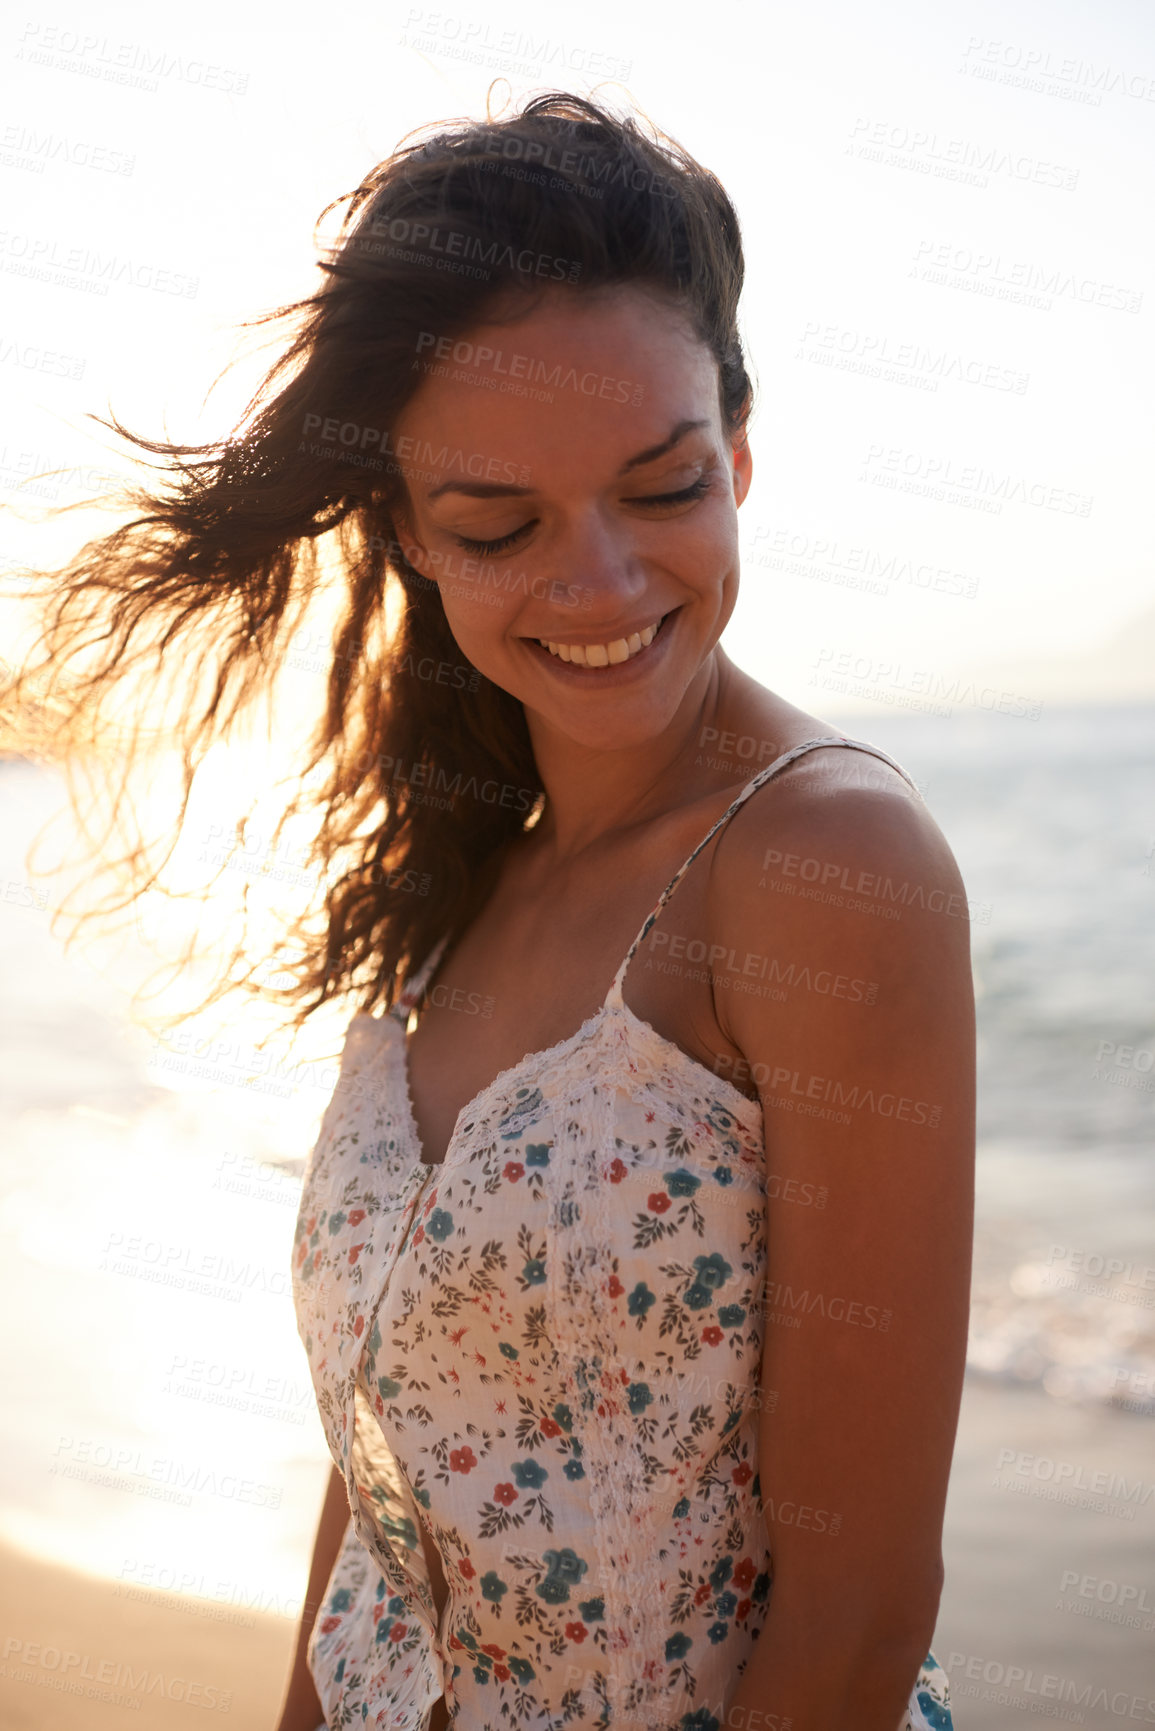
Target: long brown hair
<point>416,777</point>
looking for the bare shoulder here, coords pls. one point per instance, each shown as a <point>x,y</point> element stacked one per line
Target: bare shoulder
<point>836,872</point>
<point>837,827</point>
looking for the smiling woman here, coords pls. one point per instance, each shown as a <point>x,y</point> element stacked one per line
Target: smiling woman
<point>636,1325</point>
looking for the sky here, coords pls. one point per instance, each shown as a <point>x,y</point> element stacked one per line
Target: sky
<point>948,306</point>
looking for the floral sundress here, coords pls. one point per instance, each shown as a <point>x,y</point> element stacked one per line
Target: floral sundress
<point>546,1351</point>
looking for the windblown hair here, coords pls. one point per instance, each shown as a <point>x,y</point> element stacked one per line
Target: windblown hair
<point>410,779</point>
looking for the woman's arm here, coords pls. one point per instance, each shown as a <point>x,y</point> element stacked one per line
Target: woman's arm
<point>301,1709</point>
<point>866,1078</point>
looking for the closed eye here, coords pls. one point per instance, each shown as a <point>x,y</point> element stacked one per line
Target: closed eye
<point>685,496</point>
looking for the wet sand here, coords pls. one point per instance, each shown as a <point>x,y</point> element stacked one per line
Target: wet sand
<point>1005,1604</point>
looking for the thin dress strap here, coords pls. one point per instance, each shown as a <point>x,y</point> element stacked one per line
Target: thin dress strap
<point>614,995</point>
<point>410,994</point>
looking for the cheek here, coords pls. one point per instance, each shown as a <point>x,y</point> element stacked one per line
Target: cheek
<point>478,611</point>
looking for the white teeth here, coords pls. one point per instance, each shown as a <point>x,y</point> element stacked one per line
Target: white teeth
<point>602,654</point>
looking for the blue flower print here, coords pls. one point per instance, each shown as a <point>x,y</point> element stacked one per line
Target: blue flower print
<point>534,1271</point>
<point>681,1182</point>
<point>723,1175</point>
<point>640,1396</point>
<point>677,1646</point>
<point>713,1270</point>
<point>565,1570</point>
<point>507,1351</point>
<point>721,1573</point>
<point>341,1600</point>
<point>527,1475</point>
<point>536,1154</point>
<point>396,1605</point>
<point>336,1221</point>
<point>718,1632</point>
<point>439,1225</point>
<point>401,1528</point>
<point>492,1587</point>
<point>726,1604</point>
<point>936,1715</point>
<point>592,1610</point>
<point>702,1720</point>
<point>526,1103</point>
<point>522,1669</point>
<point>574,1470</point>
<point>563,1415</point>
<point>731,1315</point>
<point>640,1299</point>
<point>681,1508</point>
<point>387,1388</point>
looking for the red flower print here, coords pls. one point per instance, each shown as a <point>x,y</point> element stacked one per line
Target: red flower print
<point>356,1217</point>
<point>301,1254</point>
<point>743,1610</point>
<point>742,1476</point>
<point>419,1235</point>
<point>312,1226</point>
<point>702,1594</point>
<point>512,1170</point>
<point>468,1571</point>
<point>658,1202</point>
<point>378,1612</point>
<point>616,1287</point>
<point>550,1427</point>
<point>329,1625</point>
<point>500,1672</point>
<point>355,1251</point>
<point>505,1494</point>
<point>462,1460</point>
<point>359,1326</point>
<point>617,1171</point>
<point>576,1631</point>
<point>743,1576</point>
<point>453,1641</point>
<point>398,1632</point>
<point>494,1651</point>
<point>712,1336</point>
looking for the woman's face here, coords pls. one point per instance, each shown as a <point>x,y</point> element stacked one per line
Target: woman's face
<point>571,484</point>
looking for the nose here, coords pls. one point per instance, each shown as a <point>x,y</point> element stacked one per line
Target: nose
<point>599,559</point>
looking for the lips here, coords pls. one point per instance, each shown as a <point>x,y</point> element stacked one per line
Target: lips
<point>617,652</point>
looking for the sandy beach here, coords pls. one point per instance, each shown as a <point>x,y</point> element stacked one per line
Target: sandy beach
<point>94,1655</point>
<point>81,1652</point>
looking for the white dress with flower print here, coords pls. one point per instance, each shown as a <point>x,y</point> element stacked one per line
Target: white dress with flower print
<point>545,1350</point>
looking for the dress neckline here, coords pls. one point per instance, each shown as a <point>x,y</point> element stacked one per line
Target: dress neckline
<point>748,1111</point>
<point>613,1002</point>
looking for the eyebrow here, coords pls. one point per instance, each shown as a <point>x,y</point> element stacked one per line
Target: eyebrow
<point>495,489</point>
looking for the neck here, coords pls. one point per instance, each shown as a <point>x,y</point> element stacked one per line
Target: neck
<point>591,794</point>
